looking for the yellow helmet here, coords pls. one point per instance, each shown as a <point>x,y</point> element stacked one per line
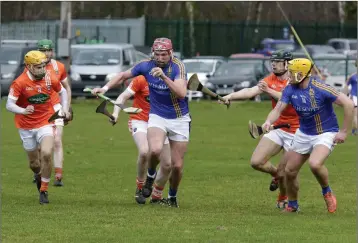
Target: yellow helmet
<point>299,68</point>
<point>34,58</point>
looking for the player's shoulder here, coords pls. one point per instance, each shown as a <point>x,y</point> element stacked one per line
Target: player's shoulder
<point>323,87</point>
<point>177,61</point>
<point>139,80</point>
<point>22,79</point>
<point>144,61</point>
<point>270,78</point>
<point>353,76</point>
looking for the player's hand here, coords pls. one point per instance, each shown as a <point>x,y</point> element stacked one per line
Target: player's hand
<point>227,100</point>
<point>157,72</point>
<point>96,91</point>
<point>340,137</point>
<point>29,110</point>
<point>266,127</point>
<point>113,122</point>
<point>263,86</point>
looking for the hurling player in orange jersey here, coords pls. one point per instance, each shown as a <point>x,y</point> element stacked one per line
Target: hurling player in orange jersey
<point>273,142</point>
<point>30,99</point>
<point>46,46</point>
<point>138,124</point>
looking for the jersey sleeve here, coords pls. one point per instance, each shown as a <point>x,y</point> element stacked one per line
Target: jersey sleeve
<point>134,86</point>
<point>140,68</point>
<point>286,94</point>
<point>15,91</point>
<point>62,70</point>
<point>328,92</point>
<point>179,70</point>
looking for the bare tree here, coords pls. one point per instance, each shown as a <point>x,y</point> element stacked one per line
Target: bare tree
<point>190,10</point>
<point>341,15</point>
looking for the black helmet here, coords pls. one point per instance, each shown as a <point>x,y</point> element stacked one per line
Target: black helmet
<point>281,55</point>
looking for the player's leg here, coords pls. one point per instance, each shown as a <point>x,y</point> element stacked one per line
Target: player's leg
<point>156,135</point>
<point>287,139</point>
<point>28,138</point>
<point>322,148</point>
<point>354,122</point>
<point>58,152</point>
<point>139,132</point>
<point>179,132</point>
<point>296,157</point>
<point>162,175</point>
<point>45,137</point>
<point>269,145</point>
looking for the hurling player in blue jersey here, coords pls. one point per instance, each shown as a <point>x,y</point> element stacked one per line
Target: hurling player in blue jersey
<point>352,83</point>
<point>318,132</point>
<point>168,117</point>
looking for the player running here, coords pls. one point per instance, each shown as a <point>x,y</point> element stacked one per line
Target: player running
<point>318,132</point>
<point>352,83</point>
<point>30,99</point>
<point>169,111</point>
<point>276,140</point>
<point>46,46</point>
<point>138,124</point>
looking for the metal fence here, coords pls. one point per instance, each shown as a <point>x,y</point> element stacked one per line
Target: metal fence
<point>225,38</point>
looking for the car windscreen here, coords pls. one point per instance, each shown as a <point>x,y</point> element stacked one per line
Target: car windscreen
<point>199,66</point>
<point>10,55</point>
<point>93,56</point>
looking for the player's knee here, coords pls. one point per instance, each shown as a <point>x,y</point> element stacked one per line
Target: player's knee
<point>314,166</point>
<point>177,165</point>
<point>256,162</point>
<point>166,168</point>
<point>143,154</point>
<point>46,155</point>
<point>34,164</point>
<point>155,151</point>
<point>289,173</point>
<point>280,173</point>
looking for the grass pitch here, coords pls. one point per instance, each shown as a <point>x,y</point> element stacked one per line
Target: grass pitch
<point>221,198</point>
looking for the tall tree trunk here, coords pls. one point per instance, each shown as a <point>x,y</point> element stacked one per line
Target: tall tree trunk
<point>341,15</point>
<point>167,10</point>
<point>190,10</point>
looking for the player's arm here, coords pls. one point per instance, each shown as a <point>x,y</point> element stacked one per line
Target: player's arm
<point>179,85</point>
<point>121,99</point>
<point>244,94</point>
<point>280,106</point>
<point>14,94</point>
<point>345,89</point>
<point>67,87</point>
<point>348,107</point>
<point>274,94</point>
<point>64,99</point>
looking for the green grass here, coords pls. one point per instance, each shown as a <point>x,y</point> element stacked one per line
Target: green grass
<point>222,199</point>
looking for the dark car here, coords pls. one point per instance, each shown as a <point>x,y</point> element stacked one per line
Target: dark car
<point>12,63</point>
<point>237,74</point>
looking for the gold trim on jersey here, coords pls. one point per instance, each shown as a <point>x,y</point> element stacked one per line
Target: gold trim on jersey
<point>181,68</point>
<point>176,105</point>
<point>325,87</point>
<point>317,119</point>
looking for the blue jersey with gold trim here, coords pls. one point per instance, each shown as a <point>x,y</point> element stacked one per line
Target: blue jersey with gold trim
<point>314,106</point>
<point>353,82</point>
<point>162,101</point>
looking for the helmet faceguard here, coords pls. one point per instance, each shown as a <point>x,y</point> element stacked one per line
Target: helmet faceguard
<point>159,46</point>
<point>280,56</point>
<point>35,62</point>
<point>299,69</point>
<point>46,46</point>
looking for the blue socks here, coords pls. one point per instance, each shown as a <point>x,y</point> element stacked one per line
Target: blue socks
<point>172,192</point>
<point>325,190</point>
<point>293,204</point>
<point>151,172</point>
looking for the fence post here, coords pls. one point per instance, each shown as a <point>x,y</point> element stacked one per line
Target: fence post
<point>97,33</point>
<point>128,34</point>
<point>346,68</point>
<point>48,31</point>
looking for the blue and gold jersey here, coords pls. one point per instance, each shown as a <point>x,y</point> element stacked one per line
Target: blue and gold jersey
<point>162,101</point>
<point>314,106</point>
<point>353,82</point>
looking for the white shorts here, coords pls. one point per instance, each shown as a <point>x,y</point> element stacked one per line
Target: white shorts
<point>304,144</point>
<point>136,126</point>
<point>354,98</point>
<point>280,137</point>
<point>58,122</point>
<point>177,129</point>
<point>32,138</point>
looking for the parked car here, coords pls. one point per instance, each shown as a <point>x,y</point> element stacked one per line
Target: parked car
<point>315,49</point>
<point>269,45</point>
<point>344,46</point>
<point>204,67</point>
<point>339,72</point>
<point>237,74</point>
<point>93,65</point>
<point>12,63</point>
